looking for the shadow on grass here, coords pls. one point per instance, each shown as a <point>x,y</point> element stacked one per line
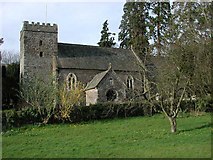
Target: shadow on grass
<point>208,125</point>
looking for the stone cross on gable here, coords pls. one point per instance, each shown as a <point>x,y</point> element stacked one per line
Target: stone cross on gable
<point>110,66</point>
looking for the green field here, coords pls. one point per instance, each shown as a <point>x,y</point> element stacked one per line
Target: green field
<point>130,137</point>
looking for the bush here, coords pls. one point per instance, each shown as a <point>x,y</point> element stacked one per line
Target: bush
<point>187,106</point>
<point>16,118</point>
<point>67,99</point>
<point>109,110</point>
<point>9,119</point>
<point>40,95</point>
<point>204,104</point>
<point>29,115</point>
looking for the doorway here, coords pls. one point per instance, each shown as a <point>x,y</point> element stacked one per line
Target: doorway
<point>111,95</point>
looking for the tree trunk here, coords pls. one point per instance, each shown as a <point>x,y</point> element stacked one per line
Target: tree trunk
<point>173,124</point>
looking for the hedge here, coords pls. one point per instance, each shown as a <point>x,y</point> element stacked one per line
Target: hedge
<point>17,118</point>
<point>108,110</point>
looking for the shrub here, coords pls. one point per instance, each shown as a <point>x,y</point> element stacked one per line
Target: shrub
<point>9,118</point>
<point>16,118</point>
<point>67,99</point>
<point>204,104</point>
<point>30,115</point>
<point>109,110</point>
<point>187,106</point>
<point>40,95</point>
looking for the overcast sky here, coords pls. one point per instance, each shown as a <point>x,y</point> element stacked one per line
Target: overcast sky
<point>78,22</point>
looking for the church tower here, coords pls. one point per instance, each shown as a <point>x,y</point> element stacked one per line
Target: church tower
<point>38,49</point>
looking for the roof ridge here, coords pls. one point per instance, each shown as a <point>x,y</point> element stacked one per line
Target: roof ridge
<point>87,45</point>
<point>64,43</point>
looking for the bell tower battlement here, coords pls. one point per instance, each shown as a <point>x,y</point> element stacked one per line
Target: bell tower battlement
<point>38,45</point>
<point>40,27</point>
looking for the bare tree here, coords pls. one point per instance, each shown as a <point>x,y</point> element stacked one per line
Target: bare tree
<point>170,83</point>
<point>147,90</point>
<point>186,66</point>
<point>40,95</point>
<point>9,57</point>
<point>171,86</point>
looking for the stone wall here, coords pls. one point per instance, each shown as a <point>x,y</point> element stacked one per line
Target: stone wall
<point>38,44</point>
<point>86,76</point>
<point>91,96</point>
<point>111,82</point>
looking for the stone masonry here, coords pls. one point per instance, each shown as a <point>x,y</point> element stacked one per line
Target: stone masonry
<point>41,56</point>
<point>38,45</point>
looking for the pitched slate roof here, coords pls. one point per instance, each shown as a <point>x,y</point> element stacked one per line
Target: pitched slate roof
<point>96,80</point>
<point>94,57</point>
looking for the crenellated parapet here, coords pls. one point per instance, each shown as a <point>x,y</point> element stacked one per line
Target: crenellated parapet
<point>38,44</point>
<point>40,27</point>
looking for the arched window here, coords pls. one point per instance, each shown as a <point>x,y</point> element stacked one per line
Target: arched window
<point>130,82</point>
<point>71,81</point>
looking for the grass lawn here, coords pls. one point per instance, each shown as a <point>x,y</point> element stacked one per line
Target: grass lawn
<point>136,137</point>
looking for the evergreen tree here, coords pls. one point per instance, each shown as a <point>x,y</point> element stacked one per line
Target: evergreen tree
<point>124,35</point>
<point>107,38</point>
<point>134,25</point>
<point>161,13</point>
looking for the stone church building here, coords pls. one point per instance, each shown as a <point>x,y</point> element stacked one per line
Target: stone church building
<point>109,74</point>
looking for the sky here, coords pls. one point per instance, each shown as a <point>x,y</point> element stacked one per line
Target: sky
<point>78,22</point>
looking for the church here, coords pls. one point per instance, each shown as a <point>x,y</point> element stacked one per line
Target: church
<point>108,74</point>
